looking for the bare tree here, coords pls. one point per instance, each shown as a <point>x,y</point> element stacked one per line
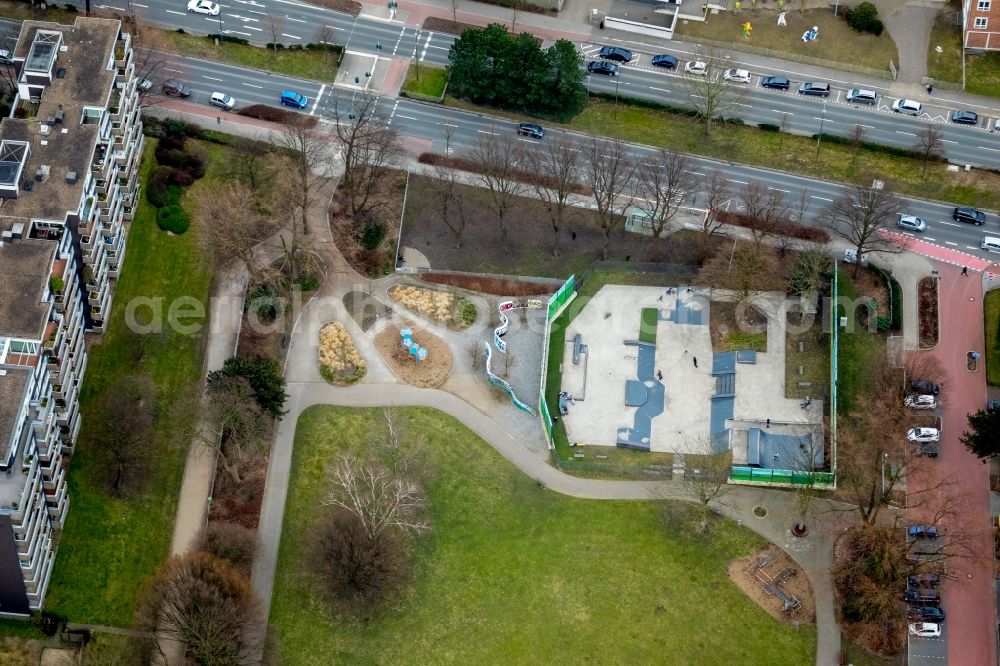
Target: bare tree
<point>379,499</point>
<point>663,187</point>
<point>861,216</point>
<point>274,25</point>
<point>809,272</point>
<point>252,166</point>
<point>929,145</point>
<point>239,424</point>
<point>232,222</point>
<point>121,421</point>
<point>857,139</point>
<point>711,95</point>
<point>561,161</point>
<point>454,10</point>
<point>515,11</point>
<point>499,162</point>
<point>325,35</point>
<point>444,182</point>
<point>783,123</point>
<point>231,542</point>
<point>765,209</point>
<point>203,602</point>
<point>610,174</point>
<point>367,147</point>
<point>398,446</point>
<point>706,482</point>
<point>718,193</point>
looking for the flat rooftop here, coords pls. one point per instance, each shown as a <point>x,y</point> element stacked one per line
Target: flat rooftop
<point>12,386</point>
<point>67,146</point>
<point>24,272</point>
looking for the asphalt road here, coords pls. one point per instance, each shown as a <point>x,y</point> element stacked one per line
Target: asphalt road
<point>297,23</point>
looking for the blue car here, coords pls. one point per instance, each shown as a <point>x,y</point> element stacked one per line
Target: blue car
<point>292,98</point>
<point>665,60</point>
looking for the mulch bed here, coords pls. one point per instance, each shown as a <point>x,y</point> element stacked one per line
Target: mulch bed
<point>927,307</point>
<point>239,502</point>
<point>472,166</point>
<point>430,373</point>
<point>387,198</point>
<point>495,286</point>
<point>346,6</point>
<point>438,24</point>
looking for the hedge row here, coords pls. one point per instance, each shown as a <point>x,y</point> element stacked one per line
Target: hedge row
<point>275,115</point>
<point>895,320</point>
<point>787,228</point>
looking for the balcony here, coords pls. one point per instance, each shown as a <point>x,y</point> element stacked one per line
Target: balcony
<point>94,297</point>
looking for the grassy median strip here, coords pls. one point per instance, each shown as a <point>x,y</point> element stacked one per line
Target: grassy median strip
<point>514,573</point>
<point>424,80</point>
<point>110,546</point>
<point>992,322</point>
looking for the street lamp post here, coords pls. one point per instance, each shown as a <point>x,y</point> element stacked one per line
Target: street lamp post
<point>615,115</point>
<point>885,457</point>
<point>220,26</point>
<point>822,121</point>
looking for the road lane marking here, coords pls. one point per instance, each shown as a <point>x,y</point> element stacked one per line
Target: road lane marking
<point>210,78</point>
<point>784,113</point>
<point>400,115</point>
<point>170,11</point>
<point>488,132</point>
<point>661,89</point>
<point>285,34</point>
<point>741,182</point>
<point>319,95</point>
<point>952,224</point>
<point>296,20</point>
<point>252,85</point>
<point>778,189</point>
<point>813,196</point>
<point>995,150</point>
<point>902,132</point>
<point>950,243</point>
<point>948,141</point>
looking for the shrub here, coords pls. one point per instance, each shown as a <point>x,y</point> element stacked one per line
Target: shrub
<point>48,622</point>
<point>186,160</point>
<point>781,229</point>
<point>173,219</point>
<point>163,178</point>
<point>370,236</point>
<point>271,46</point>
<point>274,115</point>
<point>465,312</point>
<point>230,542</point>
<point>263,375</point>
<point>308,282</point>
<point>227,38</point>
<point>864,18</point>
<point>768,127</point>
<point>262,302</point>
<point>70,8</point>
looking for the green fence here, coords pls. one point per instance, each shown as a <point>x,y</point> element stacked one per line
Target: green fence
<point>782,476</point>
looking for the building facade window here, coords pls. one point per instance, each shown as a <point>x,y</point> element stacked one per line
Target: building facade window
<point>983,6</point>
<point>981,22</point>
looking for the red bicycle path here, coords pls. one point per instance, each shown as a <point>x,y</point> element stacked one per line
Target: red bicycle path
<point>968,595</point>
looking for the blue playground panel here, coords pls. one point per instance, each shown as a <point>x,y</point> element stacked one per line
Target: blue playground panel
<point>646,394</point>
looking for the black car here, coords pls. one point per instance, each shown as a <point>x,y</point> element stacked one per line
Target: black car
<point>530,129</point>
<point>922,532</point>
<point>965,118</point>
<point>615,53</point>
<point>970,215</point>
<point>776,82</point>
<point>927,613</point>
<point>924,387</point>
<point>815,88</point>
<point>176,89</point>
<point>602,67</point>
<point>923,580</point>
<point>664,60</point>
<point>922,597</point>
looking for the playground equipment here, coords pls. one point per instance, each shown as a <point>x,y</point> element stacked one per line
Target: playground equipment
<point>502,384</point>
<point>418,353</point>
<point>501,330</point>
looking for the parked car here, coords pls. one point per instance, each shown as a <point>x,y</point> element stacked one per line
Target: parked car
<point>176,89</point>
<point>602,67</point>
<point>862,96</point>
<point>925,630</point>
<point>775,82</point>
<point>968,214</point>
<point>907,107</point>
<point>925,401</point>
<point>815,88</point>
<point>530,130</point>
<point>851,257</point>
<point>6,56</point>
<point>911,223</point>
<point>222,100</point>
<point>615,53</point>
<point>294,99</point>
<point>990,244</point>
<point>923,435</point>
<point>737,75</point>
<point>927,613</point>
<point>203,7</point>
<point>922,597</point>
<point>143,84</point>
<point>922,532</point>
<point>965,118</point>
<point>928,450</point>
<point>695,67</point>
<point>665,60</point>
<point>923,580</point>
<point>992,404</point>
<point>925,386</point>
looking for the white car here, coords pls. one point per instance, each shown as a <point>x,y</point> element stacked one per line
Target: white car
<point>737,75</point>
<point>143,84</point>
<point>695,67</point>
<point>920,401</point>
<point>907,107</point>
<point>911,223</point>
<point>222,100</point>
<point>990,244</point>
<point>851,257</point>
<point>203,7</point>
<point>925,630</point>
<point>923,435</point>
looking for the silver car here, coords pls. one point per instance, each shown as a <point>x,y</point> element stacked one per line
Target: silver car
<point>923,435</point>
<point>920,401</point>
<point>911,223</point>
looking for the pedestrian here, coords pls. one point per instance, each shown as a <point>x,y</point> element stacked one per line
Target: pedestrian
<point>573,235</point>
<point>695,359</point>
<point>930,88</point>
<point>965,270</point>
<point>768,423</point>
<point>660,298</point>
<point>659,374</point>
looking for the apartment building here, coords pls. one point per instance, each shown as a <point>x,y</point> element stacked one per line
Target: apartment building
<point>981,25</point>
<point>68,185</point>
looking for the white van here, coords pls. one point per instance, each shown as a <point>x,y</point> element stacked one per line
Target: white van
<point>862,96</point>
<point>222,100</point>
<point>991,244</point>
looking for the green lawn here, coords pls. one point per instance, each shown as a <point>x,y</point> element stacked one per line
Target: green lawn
<point>982,74</point>
<point>306,64</point>
<point>992,321</point>
<point>947,65</point>
<point>515,574</point>
<point>837,41</point>
<point>425,80</point>
<point>650,318</point>
<point>109,547</point>
<point>857,349</point>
